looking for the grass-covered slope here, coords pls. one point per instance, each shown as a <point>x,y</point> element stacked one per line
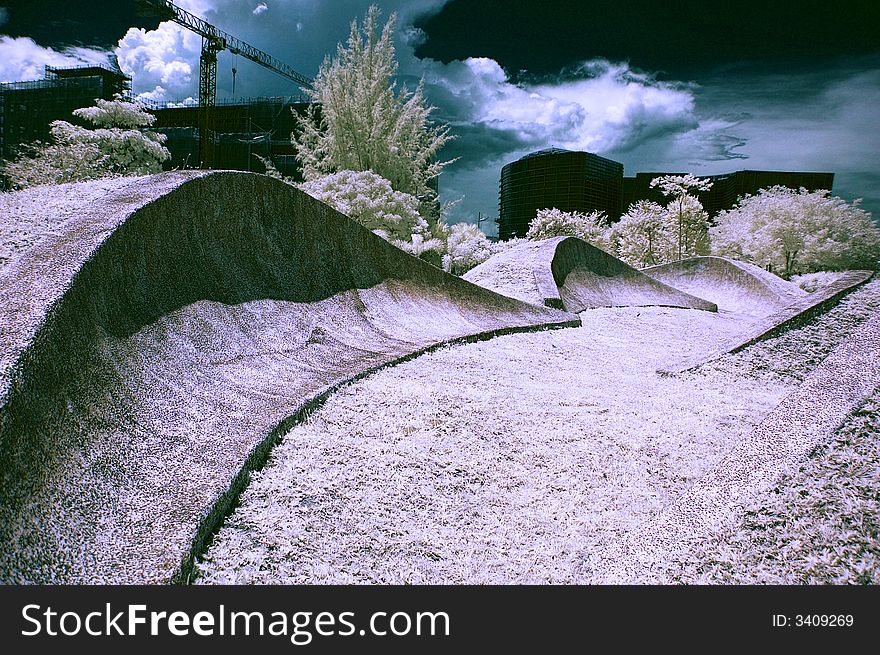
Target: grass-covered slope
<point>159,332</point>
<point>568,272</point>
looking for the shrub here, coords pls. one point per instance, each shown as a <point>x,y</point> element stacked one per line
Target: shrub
<point>369,199</point>
<point>117,147</point>
<point>553,222</point>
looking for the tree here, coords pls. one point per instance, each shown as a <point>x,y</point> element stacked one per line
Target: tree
<point>363,123</point>
<point>592,227</point>
<point>692,220</point>
<point>117,147</point>
<point>466,247</point>
<point>690,223</point>
<point>644,235</point>
<point>799,231</point>
<point>369,199</point>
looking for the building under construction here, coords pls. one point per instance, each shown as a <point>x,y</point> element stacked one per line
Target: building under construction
<point>28,108</point>
<point>244,130</point>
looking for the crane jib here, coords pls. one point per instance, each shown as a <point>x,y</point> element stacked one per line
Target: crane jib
<point>166,10</point>
<point>214,40</point>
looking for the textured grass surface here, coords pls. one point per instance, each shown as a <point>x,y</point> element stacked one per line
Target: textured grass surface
<point>820,525</point>
<point>514,460</point>
<point>159,333</point>
<point>27,216</point>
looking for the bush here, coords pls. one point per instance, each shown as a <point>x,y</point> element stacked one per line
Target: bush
<point>645,235</point>
<point>117,147</point>
<point>466,247</point>
<point>800,231</point>
<point>369,199</point>
<point>591,227</point>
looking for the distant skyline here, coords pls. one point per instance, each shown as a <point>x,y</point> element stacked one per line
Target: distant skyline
<point>705,87</point>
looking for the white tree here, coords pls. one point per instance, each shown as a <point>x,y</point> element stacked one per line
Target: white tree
<point>466,247</point>
<point>645,235</point>
<point>798,232</point>
<point>119,146</point>
<point>553,222</point>
<point>362,122</point>
<point>691,220</point>
<point>690,223</point>
<point>369,199</point>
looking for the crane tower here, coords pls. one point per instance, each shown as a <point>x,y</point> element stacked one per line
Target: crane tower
<point>214,40</point>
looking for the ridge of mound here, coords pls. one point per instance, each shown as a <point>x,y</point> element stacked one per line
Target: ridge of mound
<point>733,285</point>
<point>567,272</point>
<point>160,338</point>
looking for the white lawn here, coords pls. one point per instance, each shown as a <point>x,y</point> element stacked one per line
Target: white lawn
<point>510,460</point>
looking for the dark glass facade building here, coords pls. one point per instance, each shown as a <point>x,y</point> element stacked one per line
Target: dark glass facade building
<point>584,182</point>
<point>726,189</point>
<point>567,180</point>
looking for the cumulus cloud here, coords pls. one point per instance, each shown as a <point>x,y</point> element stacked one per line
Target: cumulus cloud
<point>599,106</point>
<point>260,8</point>
<point>163,63</point>
<point>22,58</point>
<point>608,108</point>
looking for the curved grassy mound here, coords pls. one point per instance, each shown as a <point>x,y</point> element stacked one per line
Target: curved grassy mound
<point>733,285</point>
<point>158,340</point>
<point>566,272</point>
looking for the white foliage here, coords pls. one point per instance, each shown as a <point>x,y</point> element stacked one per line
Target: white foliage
<point>369,199</point>
<point>798,232</point>
<point>117,147</point>
<point>420,245</point>
<point>811,282</point>
<point>503,246</point>
<point>115,113</point>
<point>645,235</point>
<point>363,122</point>
<point>680,185</point>
<point>688,218</point>
<point>466,247</point>
<point>592,227</point>
<point>691,222</point>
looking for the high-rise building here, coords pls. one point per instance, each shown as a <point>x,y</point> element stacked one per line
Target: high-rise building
<point>565,179</point>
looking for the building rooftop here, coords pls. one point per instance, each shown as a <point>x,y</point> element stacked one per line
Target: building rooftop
<point>546,151</point>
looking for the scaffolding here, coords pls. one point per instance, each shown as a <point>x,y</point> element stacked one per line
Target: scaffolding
<point>243,130</point>
<point>28,108</point>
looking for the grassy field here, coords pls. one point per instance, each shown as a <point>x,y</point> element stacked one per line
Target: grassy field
<point>517,459</point>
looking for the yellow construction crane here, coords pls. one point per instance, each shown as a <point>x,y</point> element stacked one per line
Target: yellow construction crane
<point>214,40</point>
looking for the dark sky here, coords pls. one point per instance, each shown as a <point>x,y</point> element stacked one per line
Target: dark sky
<point>60,23</point>
<point>681,39</point>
